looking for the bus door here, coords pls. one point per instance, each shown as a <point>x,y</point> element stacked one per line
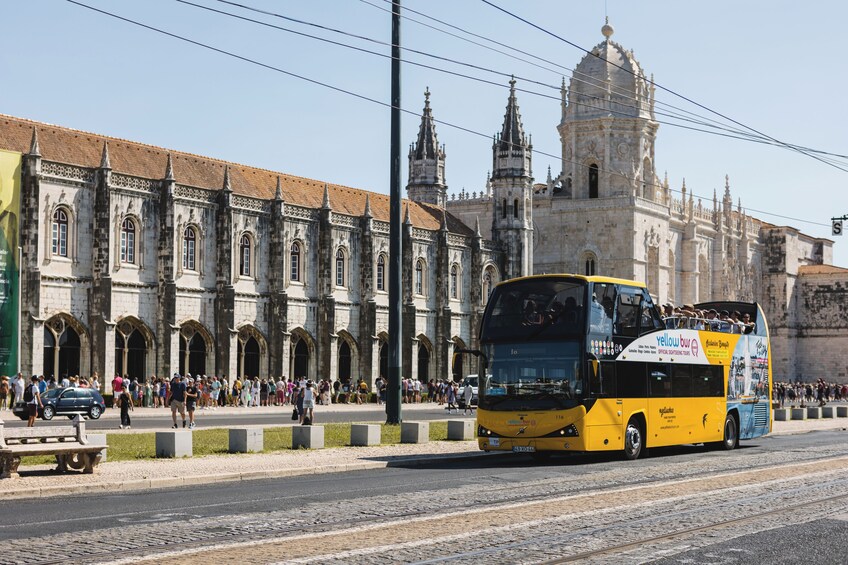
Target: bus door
<point>603,405</point>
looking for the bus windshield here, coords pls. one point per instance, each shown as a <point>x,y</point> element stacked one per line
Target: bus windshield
<point>535,309</point>
<point>531,375</point>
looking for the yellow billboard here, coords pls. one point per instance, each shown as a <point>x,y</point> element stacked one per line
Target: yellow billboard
<point>10,206</point>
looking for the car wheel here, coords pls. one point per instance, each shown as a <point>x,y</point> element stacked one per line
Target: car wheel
<point>95,412</point>
<point>633,440</point>
<point>48,412</point>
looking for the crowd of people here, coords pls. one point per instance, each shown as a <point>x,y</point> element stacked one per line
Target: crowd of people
<point>184,394</point>
<point>689,317</point>
<point>819,392</point>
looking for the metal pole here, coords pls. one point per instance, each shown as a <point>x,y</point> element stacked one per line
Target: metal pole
<point>393,415</point>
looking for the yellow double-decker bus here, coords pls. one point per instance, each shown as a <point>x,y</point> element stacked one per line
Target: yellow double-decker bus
<point>574,363</point>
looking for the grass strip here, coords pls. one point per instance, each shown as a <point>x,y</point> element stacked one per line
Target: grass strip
<point>215,441</point>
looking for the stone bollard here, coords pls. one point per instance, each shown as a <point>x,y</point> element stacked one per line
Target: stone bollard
<point>246,440</point>
<point>827,412</point>
<point>175,443</point>
<point>813,412</point>
<point>414,432</point>
<point>799,413</point>
<point>781,414</point>
<point>365,434</point>
<point>842,411</point>
<point>308,437</point>
<point>461,430</point>
<point>98,439</point>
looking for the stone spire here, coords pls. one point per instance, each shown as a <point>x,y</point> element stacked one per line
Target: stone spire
<point>563,92</point>
<point>477,233</point>
<point>407,218</point>
<point>367,213</point>
<point>278,194</point>
<point>444,222</point>
<point>427,162</point>
<point>169,169</point>
<point>34,149</point>
<point>512,134</point>
<point>227,185</point>
<point>104,157</point>
<point>326,202</point>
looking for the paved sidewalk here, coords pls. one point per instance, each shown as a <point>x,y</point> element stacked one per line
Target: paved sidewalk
<point>41,481</point>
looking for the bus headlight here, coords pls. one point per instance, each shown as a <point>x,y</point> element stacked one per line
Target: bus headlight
<point>485,432</point>
<point>568,431</point>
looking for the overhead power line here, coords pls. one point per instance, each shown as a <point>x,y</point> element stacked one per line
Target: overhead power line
<point>666,89</point>
<point>373,100</point>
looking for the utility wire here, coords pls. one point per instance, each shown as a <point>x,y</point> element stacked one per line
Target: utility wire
<point>741,135</point>
<point>670,91</point>
<point>372,100</point>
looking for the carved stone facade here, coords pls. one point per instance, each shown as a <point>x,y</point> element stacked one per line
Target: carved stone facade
<point>147,262</point>
<point>607,212</point>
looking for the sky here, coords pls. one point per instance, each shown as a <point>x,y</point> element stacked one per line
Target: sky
<point>776,66</point>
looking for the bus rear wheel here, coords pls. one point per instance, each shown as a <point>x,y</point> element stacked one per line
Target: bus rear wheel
<point>633,440</point>
<point>731,434</point>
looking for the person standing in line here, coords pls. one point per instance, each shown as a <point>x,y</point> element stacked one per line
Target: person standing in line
<point>33,399</point>
<point>4,393</point>
<point>192,393</point>
<point>451,393</point>
<point>126,404</point>
<point>177,399</point>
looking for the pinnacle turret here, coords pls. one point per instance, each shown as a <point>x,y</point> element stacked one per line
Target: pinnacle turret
<point>367,213</point>
<point>34,149</point>
<point>169,169</point>
<point>227,185</point>
<point>407,219</point>
<point>278,194</point>
<point>427,162</point>
<point>512,132</point>
<point>326,203</point>
<point>104,157</point>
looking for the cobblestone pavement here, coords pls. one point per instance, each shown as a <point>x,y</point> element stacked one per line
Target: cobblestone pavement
<point>626,512</point>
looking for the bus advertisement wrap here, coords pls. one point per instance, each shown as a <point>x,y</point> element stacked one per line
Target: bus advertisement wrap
<point>10,190</point>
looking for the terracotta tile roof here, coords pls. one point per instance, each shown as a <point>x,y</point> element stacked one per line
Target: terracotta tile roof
<point>822,270</point>
<point>74,147</point>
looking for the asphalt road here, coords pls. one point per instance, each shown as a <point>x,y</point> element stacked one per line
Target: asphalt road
<point>76,527</point>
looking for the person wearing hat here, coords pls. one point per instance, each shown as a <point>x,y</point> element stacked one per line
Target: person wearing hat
<point>308,403</point>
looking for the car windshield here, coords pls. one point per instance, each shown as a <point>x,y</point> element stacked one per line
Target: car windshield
<point>532,376</point>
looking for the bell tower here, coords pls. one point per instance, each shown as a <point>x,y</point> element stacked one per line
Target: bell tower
<point>512,192</point>
<point>427,162</point>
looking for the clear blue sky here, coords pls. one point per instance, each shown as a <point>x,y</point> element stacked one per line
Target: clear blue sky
<point>777,65</point>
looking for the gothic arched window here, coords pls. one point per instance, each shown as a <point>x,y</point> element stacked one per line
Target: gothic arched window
<point>419,277</point>
<point>381,272</point>
<point>244,255</point>
<point>503,209</point>
<point>294,262</point>
<point>189,249</point>
<point>454,281</point>
<point>340,267</point>
<point>128,241</point>
<point>593,181</point>
<point>590,265</point>
<point>515,208</point>
<point>60,232</point>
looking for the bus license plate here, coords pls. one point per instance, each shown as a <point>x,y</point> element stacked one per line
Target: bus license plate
<point>523,449</point>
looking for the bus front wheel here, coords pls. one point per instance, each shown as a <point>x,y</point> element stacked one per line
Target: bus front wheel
<point>634,440</point>
<point>731,434</point>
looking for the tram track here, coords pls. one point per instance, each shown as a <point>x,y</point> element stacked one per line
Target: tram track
<point>161,548</point>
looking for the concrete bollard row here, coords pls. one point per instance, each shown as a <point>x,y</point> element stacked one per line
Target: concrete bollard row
<point>308,437</point>
<point>175,443</point>
<point>799,413</point>
<point>415,432</point>
<point>246,440</point>
<point>827,412</point>
<point>813,412</point>
<point>842,411</point>
<point>461,430</point>
<point>781,414</point>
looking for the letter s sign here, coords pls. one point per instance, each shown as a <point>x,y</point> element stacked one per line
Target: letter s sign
<point>837,227</point>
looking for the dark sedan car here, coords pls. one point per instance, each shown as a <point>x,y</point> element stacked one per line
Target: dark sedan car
<point>69,402</point>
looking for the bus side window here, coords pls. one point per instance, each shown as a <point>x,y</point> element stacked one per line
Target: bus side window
<point>602,381</point>
<point>681,381</point>
<point>708,380</point>
<point>659,380</point>
<point>650,317</point>
<point>631,381</point>
<point>627,313</point>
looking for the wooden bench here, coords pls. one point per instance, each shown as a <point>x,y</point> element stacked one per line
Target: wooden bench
<point>68,443</point>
